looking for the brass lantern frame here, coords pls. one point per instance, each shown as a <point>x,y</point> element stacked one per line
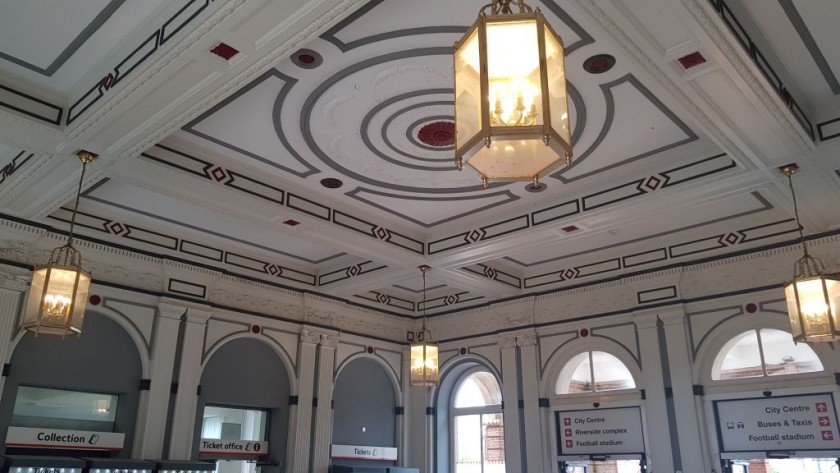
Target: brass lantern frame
<point>422,340</point>
<point>500,12</point>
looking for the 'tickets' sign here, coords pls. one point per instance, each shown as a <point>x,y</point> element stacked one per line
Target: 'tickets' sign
<point>600,431</point>
<point>57,438</point>
<point>233,447</point>
<point>364,453</point>
<point>778,423</point>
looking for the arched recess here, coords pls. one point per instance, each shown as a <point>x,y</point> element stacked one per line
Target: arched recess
<point>566,352</point>
<point>104,359</point>
<point>452,373</point>
<point>365,402</point>
<point>389,370</point>
<point>279,350</point>
<point>247,373</point>
<point>718,338</point>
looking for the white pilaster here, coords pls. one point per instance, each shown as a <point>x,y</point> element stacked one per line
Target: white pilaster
<point>656,413</point>
<point>323,413</point>
<point>12,292</point>
<point>679,358</point>
<point>189,375</point>
<point>531,397</point>
<point>510,398</point>
<point>300,415</point>
<point>154,403</point>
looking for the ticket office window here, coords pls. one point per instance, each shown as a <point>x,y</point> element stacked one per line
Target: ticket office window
<point>63,409</point>
<point>603,466</point>
<point>232,423</point>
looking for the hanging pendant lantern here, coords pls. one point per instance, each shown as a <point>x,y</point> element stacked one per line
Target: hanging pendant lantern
<point>511,105</point>
<point>813,297</point>
<point>423,353</point>
<point>59,290</point>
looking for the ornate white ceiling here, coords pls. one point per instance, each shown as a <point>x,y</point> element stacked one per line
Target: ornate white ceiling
<point>300,161</point>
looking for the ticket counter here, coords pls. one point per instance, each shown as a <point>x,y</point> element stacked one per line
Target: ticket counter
<point>117,465</point>
<point>42,464</point>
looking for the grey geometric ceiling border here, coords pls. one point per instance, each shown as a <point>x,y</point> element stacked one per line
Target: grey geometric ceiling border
<point>355,194</point>
<point>288,83</point>
<point>580,111</point>
<point>656,294</point>
<point>348,272</point>
<point>210,232</point>
<point>330,34</point>
<point>309,104</point>
<point>142,52</point>
<point>31,106</point>
<point>631,190</point>
<point>820,126</point>
<point>213,172</point>
<point>449,300</point>
<point>409,133</point>
<point>14,165</point>
<point>810,44</point>
<point>418,291</point>
<point>672,252</point>
<point>388,300</point>
<point>609,101</point>
<point>74,45</point>
<point>364,133</point>
<point>183,246</point>
<point>765,205</point>
<point>494,274</point>
<point>737,30</point>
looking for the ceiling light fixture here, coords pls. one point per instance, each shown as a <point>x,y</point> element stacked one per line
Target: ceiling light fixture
<point>511,106</point>
<point>424,354</point>
<point>812,296</point>
<point>59,289</point>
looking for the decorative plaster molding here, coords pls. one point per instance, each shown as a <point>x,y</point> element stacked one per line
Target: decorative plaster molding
<point>527,339</point>
<point>198,316</point>
<point>329,340</point>
<point>171,311</point>
<point>506,341</point>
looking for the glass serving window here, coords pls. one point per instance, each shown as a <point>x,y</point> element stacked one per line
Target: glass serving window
<point>63,409</point>
<point>764,352</point>
<point>229,423</point>
<point>593,371</point>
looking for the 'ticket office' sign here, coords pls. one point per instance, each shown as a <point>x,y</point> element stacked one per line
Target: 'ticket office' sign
<point>233,447</point>
<point>778,423</point>
<point>59,438</point>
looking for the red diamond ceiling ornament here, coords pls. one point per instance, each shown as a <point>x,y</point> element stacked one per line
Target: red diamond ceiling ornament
<point>224,51</point>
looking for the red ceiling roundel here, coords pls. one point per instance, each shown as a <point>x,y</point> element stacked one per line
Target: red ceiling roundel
<point>439,134</point>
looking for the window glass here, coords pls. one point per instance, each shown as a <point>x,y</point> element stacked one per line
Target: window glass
<point>62,409</point>
<point>765,352</point>
<point>593,371</point>
<point>782,356</point>
<point>229,423</point>
<point>478,389</point>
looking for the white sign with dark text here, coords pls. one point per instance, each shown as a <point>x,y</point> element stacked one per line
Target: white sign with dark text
<point>778,423</point>
<point>600,431</point>
<point>233,447</point>
<point>364,453</point>
<point>58,438</point>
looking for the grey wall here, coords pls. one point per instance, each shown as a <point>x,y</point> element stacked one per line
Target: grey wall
<point>103,359</point>
<point>364,397</point>
<point>249,374</point>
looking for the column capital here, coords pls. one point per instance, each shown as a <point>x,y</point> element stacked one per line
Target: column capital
<point>526,339</point>
<point>308,336</point>
<point>170,311</point>
<point>329,340</point>
<point>198,315</point>
<point>645,320</point>
<point>14,282</point>
<point>673,316</point>
<point>507,341</point>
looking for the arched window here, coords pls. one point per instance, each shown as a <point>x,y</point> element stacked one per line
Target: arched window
<point>593,371</point>
<point>478,433</point>
<point>763,352</point>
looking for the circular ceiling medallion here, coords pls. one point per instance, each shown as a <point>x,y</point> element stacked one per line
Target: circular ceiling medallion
<point>307,59</point>
<point>331,183</point>
<point>438,134</point>
<point>532,188</point>
<point>599,63</point>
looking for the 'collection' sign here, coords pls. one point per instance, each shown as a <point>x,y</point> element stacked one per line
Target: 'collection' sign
<point>600,431</point>
<point>58,438</point>
<point>778,423</point>
<point>233,447</point>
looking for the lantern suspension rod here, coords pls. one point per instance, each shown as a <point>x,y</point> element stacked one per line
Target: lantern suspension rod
<point>789,171</point>
<point>424,268</point>
<point>85,157</point>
